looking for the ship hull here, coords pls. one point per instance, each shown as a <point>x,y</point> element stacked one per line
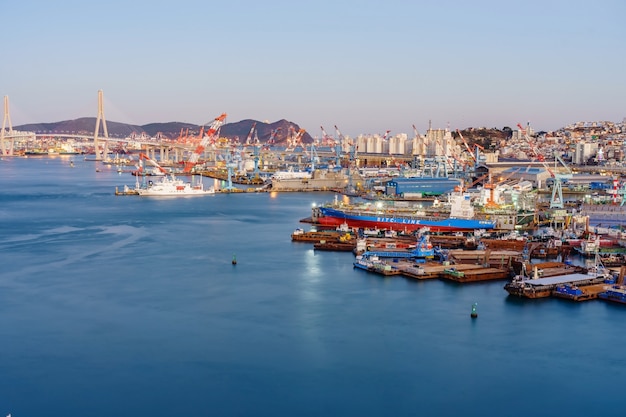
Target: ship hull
<point>334,217</point>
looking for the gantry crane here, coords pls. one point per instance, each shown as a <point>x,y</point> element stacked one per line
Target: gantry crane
<point>208,137</point>
<point>352,150</point>
<point>296,140</point>
<point>556,201</point>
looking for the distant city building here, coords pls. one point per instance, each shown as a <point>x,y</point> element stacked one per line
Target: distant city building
<point>583,151</point>
<point>439,142</point>
<point>397,144</point>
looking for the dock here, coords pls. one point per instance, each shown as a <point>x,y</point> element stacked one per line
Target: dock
<point>545,287</point>
<point>463,273</point>
<point>501,259</point>
<point>459,274</point>
<point>576,293</point>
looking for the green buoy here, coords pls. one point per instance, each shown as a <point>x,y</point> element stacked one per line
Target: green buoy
<point>234,260</point>
<point>474,313</point>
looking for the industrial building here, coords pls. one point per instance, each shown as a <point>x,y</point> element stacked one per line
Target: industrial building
<point>420,186</point>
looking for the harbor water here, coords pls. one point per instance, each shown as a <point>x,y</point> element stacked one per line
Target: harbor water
<point>131,306</point>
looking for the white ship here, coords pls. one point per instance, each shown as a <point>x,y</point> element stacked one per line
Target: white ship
<point>170,186</point>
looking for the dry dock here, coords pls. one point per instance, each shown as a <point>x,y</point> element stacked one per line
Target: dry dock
<point>582,293</point>
<point>459,274</point>
<point>431,270</point>
<point>498,258</point>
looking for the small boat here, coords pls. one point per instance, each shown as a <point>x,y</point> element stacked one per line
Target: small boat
<point>616,293</point>
<point>170,186</point>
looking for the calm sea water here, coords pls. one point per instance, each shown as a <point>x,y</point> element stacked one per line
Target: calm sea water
<point>130,306</point>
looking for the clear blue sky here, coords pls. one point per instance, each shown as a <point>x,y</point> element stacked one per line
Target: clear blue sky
<point>366,66</point>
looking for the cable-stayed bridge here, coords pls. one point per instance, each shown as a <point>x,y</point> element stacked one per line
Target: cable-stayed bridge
<point>100,138</point>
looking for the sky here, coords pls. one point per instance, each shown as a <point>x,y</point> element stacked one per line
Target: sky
<point>366,66</point>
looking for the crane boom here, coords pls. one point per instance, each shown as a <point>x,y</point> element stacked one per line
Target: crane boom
<point>272,138</point>
<point>466,145</point>
<point>206,139</point>
<point>249,138</point>
<point>144,157</point>
<point>339,135</point>
<point>326,139</point>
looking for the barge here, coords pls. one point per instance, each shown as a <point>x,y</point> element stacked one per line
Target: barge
<point>544,287</point>
<point>616,293</point>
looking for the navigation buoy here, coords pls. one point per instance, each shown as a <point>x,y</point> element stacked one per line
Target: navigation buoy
<point>234,260</point>
<point>474,313</point>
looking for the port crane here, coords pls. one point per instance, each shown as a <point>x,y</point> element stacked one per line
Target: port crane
<point>475,153</point>
<point>252,130</point>
<point>143,157</point>
<point>491,186</point>
<point>556,201</point>
<point>327,140</point>
<point>272,139</point>
<point>256,145</point>
<point>464,188</point>
<point>141,171</point>
<point>207,139</point>
<point>353,148</point>
<point>296,140</point>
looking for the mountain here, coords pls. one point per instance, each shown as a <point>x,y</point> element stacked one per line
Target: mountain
<point>170,130</point>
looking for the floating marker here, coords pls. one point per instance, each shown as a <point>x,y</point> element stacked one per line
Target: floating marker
<point>234,260</point>
<point>474,313</point>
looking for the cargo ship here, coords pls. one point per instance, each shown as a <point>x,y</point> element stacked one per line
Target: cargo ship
<point>459,218</point>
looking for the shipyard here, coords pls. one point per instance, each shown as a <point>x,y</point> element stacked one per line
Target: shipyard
<point>436,206</point>
<point>312,208</point>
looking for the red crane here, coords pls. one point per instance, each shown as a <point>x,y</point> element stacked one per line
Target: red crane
<point>249,138</point>
<point>327,140</point>
<point>417,134</point>
<point>145,157</point>
<point>466,145</point>
<point>296,141</point>
<point>206,140</point>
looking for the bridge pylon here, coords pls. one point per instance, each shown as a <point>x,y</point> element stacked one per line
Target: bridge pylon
<point>96,143</point>
<point>7,119</point>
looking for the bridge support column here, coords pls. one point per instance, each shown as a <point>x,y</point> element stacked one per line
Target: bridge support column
<point>96,142</point>
<point>7,118</point>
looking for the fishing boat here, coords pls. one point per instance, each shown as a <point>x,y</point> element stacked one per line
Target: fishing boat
<point>373,263</point>
<point>170,186</point>
<point>460,217</point>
